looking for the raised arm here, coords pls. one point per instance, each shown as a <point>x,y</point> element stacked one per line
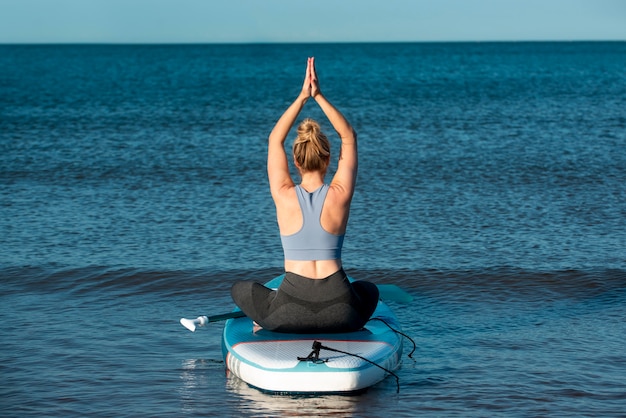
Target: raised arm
<point>345,177</point>
<point>277,164</point>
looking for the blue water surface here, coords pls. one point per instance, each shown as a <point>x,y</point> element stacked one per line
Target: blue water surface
<point>491,187</point>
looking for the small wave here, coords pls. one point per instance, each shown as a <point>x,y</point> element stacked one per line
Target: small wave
<point>502,284</point>
<point>98,279</point>
<point>505,283</point>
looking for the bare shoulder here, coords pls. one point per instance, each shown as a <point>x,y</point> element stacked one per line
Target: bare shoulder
<point>339,194</point>
<point>287,205</point>
<point>284,195</point>
<point>288,212</point>
<point>336,209</point>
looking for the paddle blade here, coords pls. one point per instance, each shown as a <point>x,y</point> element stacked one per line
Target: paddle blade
<point>393,293</point>
<point>191,324</point>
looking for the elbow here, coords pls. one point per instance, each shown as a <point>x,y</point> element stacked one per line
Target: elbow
<point>349,136</point>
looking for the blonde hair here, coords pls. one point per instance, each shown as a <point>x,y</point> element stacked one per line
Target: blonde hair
<point>311,149</point>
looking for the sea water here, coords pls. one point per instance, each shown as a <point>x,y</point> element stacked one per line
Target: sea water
<point>492,188</point>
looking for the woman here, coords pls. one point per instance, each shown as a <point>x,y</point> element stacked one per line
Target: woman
<point>315,295</point>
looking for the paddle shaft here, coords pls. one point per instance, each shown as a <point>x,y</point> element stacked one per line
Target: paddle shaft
<point>222,317</point>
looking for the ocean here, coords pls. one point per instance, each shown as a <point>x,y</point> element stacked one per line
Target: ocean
<point>492,188</point>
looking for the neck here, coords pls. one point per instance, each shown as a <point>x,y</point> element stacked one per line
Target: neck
<point>312,180</point>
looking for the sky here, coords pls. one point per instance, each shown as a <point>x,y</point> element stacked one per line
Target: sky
<point>263,21</point>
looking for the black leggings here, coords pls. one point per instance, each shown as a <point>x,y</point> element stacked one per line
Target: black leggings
<point>303,305</point>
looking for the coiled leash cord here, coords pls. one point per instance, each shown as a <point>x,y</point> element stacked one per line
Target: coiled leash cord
<point>314,356</point>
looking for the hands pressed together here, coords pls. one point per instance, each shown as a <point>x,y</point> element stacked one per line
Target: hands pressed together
<point>311,87</point>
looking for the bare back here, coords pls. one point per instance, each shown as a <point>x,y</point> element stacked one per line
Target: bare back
<point>336,208</point>
<point>334,220</point>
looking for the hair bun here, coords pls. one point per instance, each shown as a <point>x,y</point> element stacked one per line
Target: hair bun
<point>311,148</point>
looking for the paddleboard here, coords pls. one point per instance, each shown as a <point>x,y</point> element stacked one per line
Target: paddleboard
<point>306,363</point>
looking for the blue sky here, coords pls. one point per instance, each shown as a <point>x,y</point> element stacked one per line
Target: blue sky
<point>174,21</point>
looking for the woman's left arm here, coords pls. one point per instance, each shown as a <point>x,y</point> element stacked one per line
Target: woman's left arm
<point>277,164</point>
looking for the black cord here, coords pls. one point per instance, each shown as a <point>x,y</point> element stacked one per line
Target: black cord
<point>399,332</point>
<point>317,345</point>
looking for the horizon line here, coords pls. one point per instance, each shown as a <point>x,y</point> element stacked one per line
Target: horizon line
<point>234,43</point>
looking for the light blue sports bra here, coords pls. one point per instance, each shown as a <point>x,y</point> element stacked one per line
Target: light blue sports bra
<point>312,242</point>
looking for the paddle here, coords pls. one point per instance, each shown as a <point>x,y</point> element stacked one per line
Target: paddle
<point>389,292</point>
<point>201,321</point>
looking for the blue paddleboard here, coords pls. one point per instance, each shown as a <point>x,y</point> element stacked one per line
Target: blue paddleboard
<point>306,363</point>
